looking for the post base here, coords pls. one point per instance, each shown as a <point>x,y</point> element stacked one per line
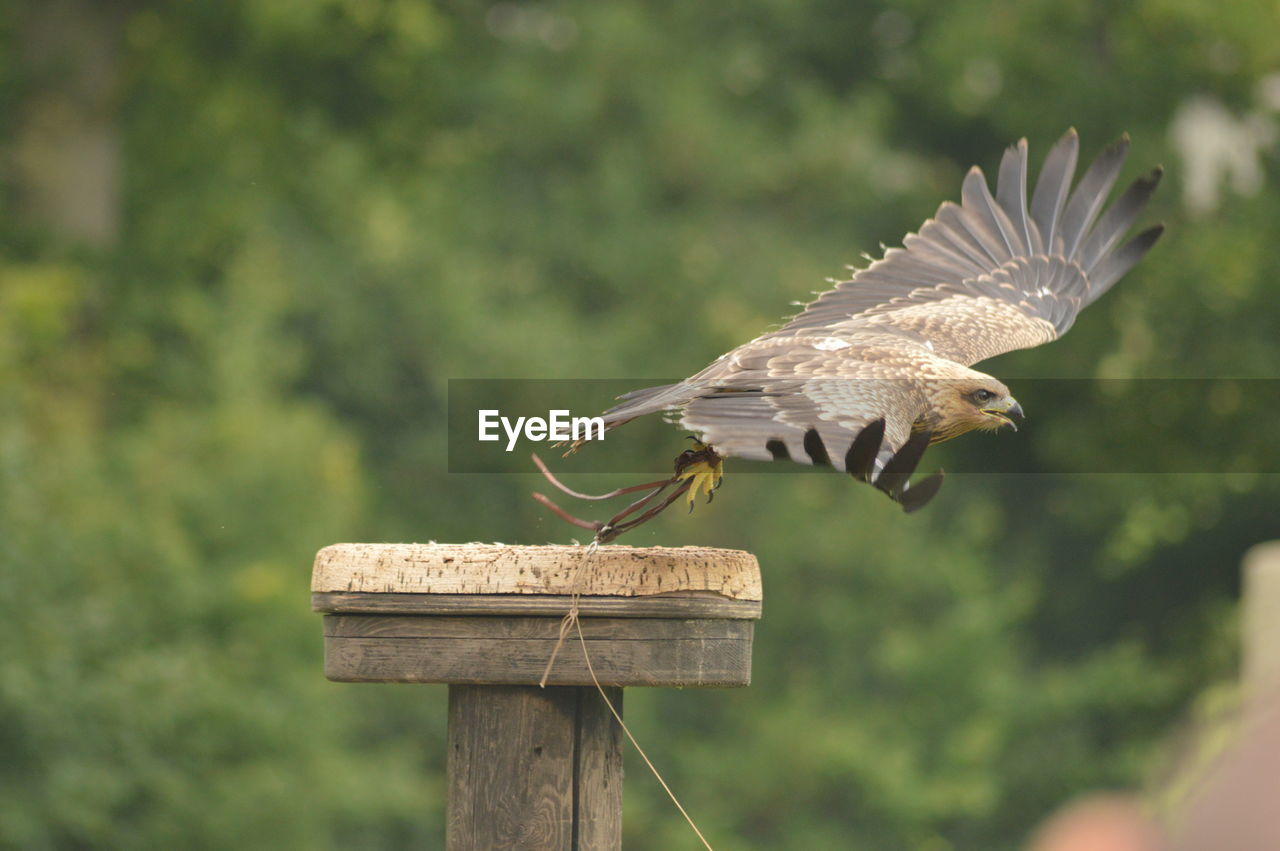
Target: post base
<point>534,768</point>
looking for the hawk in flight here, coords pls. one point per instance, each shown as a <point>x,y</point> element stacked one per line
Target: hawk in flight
<point>877,368</point>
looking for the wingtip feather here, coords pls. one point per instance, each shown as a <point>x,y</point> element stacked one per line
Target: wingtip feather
<point>1053,184</point>
<point>1011,194</point>
<point>1116,265</point>
<point>1090,195</point>
<point>1117,220</point>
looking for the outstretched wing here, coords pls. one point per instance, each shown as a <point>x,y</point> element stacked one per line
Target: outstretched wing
<point>994,274</point>
<point>838,384</point>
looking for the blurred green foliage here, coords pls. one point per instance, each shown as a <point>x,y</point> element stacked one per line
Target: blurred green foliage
<point>328,208</point>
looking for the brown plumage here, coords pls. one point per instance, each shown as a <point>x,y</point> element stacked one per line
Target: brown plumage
<point>896,342</point>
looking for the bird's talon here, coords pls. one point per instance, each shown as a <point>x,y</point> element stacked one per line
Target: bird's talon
<point>702,468</point>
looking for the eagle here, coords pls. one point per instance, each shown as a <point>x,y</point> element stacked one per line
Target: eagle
<point>876,369</point>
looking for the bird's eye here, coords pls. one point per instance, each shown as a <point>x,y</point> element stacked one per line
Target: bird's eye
<point>983,396</point>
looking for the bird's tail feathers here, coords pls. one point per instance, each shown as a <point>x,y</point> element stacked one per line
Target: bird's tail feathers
<point>648,400</point>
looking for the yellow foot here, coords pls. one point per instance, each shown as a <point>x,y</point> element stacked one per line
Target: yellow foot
<point>704,468</point>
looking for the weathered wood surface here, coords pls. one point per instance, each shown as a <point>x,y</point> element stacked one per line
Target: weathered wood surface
<point>678,604</point>
<point>598,761</point>
<point>547,629</point>
<point>619,571</point>
<point>623,651</point>
<point>533,768</point>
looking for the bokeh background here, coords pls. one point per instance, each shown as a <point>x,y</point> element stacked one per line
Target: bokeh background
<point>245,245</point>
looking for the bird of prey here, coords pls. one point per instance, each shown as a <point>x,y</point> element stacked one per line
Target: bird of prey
<point>877,368</point>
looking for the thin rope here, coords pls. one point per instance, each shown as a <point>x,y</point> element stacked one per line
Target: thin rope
<point>635,744</point>
<point>572,621</point>
<point>571,618</point>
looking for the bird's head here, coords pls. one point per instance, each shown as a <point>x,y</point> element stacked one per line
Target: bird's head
<point>978,403</point>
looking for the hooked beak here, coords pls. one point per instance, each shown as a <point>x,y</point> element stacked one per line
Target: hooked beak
<point>1008,410</point>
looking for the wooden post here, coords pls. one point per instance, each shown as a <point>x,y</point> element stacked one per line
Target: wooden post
<point>533,767</point>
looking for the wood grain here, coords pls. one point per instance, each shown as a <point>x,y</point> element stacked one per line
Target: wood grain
<point>612,629</point>
<point>679,604</point>
<point>598,785</point>
<point>533,768</point>
<point>624,652</point>
<point>498,569</point>
<point>510,768</point>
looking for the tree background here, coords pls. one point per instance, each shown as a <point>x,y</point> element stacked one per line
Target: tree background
<point>245,245</point>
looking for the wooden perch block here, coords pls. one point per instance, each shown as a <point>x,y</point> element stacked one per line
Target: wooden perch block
<point>490,614</point>
<point>616,571</point>
<point>535,767</point>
